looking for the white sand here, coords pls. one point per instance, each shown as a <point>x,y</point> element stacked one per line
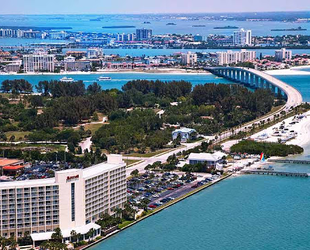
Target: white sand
<point>170,71</point>
<point>291,71</point>
<point>302,128</point>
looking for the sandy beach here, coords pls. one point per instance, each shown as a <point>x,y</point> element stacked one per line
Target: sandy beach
<point>291,71</point>
<point>301,128</point>
<point>170,71</point>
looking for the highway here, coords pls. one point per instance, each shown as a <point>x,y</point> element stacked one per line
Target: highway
<point>294,99</point>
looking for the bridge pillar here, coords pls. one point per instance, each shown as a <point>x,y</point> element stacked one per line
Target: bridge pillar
<point>273,88</point>
<point>257,81</point>
<point>242,76</point>
<point>251,79</point>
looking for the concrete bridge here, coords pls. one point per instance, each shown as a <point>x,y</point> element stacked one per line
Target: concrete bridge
<point>259,79</point>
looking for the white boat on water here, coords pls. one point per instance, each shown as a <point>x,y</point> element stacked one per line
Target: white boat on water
<point>104,78</point>
<point>67,79</point>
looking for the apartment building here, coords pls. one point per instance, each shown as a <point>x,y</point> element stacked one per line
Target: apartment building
<point>39,62</point>
<point>232,57</point>
<point>283,54</point>
<point>143,34</point>
<point>189,58</point>
<point>242,37</point>
<point>73,200</point>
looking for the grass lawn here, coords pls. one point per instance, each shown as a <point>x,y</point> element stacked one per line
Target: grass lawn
<point>125,223</point>
<point>17,134</point>
<point>129,162</point>
<point>93,127</point>
<point>151,154</point>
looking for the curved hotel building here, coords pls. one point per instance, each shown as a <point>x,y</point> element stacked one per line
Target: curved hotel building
<point>73,200</point>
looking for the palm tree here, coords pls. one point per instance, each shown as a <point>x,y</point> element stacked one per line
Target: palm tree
<point>73,235</point>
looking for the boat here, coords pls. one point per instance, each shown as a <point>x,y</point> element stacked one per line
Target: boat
<point>170,24</point>
<point>67,79</point>
<point>104,78</point>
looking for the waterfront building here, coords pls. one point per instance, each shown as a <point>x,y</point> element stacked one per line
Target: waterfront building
<point>185,134</point>
<point>143,34</point>
<point>198,38</point>
<point>126,37</point>
<point>233,57</point>
<point>283,54</point>
<point>73,200</point>
<point>207,158</point>
<point>13,66</point>
<point>39,62</point>
<point>81,65</point>
<point>242,38</point>
<point>94,53</point>
<point>189,58</point>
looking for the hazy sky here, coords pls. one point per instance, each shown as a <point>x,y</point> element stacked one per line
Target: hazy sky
<point>147,6</point>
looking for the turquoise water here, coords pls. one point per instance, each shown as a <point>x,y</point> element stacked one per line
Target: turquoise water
<point>119,79</point>
<point>249,212</point>
<point>157,22</point>
<point>300,82</point>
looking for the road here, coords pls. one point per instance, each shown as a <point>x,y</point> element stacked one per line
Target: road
<point>294,99</point>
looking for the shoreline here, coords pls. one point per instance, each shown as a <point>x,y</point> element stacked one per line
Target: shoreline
<point>294,71</point>
<point>160,209</point>
<point>170,71</point>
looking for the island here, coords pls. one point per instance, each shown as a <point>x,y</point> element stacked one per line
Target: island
<point>119,27</point>
<point>292,29</point>
<point>225,27</point>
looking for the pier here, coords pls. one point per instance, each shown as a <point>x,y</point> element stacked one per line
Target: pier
<point>258,79</point>
<point>291,161</point>
<point>271,172</point>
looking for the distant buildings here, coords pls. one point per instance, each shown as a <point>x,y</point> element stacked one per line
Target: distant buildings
<point>126,37</point>
<point>230,57</point>
<point>198,38</point>
<point>189,58</point>
<point>81,65</point>
<point>242,38</point>
<point>94,53</point>
<point>39,62</point>
<point>144,34</point>
<point>283,54</point>
<point>185,134</point>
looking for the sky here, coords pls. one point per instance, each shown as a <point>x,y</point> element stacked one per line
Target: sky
<point>147,6</point>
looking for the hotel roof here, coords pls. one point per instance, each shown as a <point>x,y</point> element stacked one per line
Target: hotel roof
<point>113,163</point>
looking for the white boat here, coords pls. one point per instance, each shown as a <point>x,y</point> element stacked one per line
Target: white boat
<point>104,78</point>
<point>67,79</point>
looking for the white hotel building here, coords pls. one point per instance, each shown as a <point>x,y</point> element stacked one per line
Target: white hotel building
<point>73,200</point>
<point>232,57</point>
<point>40,62</point>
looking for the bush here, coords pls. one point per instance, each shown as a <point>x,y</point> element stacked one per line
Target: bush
<point>269,149</point>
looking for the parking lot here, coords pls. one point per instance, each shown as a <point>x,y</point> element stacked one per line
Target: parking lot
<point>152,190</point>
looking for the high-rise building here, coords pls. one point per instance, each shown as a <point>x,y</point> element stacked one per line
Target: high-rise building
<point>283,54</point>
<point>230,57</point>
<point>143,34</point>
<point>189,58</point>
<point>73,200</point>
<point>39,62</point>
<point>242,37</point>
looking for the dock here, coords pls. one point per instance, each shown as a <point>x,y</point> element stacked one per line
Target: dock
<point>276,173</point>
<point>290,161</point>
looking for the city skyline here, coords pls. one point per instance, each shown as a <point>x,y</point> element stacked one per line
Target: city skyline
<point>138,7</point>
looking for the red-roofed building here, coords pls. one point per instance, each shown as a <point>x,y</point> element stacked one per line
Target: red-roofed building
<point>4,162</point>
